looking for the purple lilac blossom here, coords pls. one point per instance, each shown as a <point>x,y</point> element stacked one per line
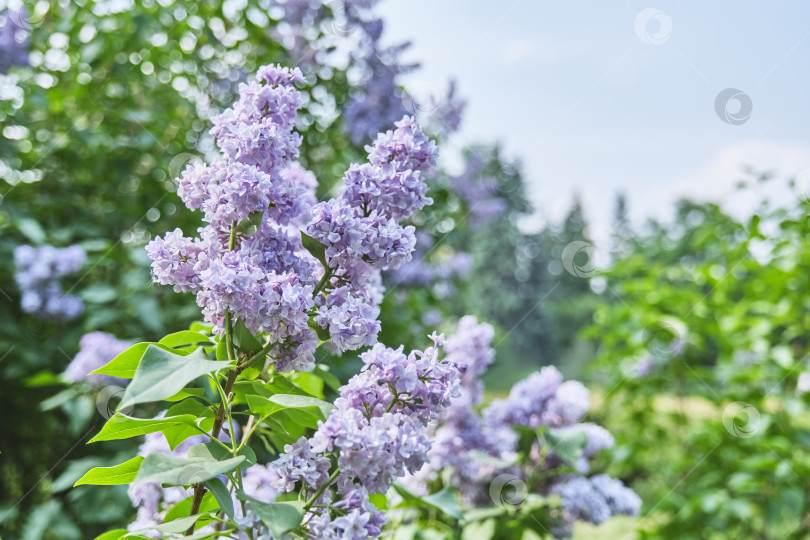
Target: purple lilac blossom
<point>377,432</point>
<point>13,40</point>
<point>95,350</point>
<point>463,437</point>
<point>263,276</point>
<point>378,102</point>
<point>446,117</point>
<point>597,498</point>
<point>37,273</point>
<point>478,191</point>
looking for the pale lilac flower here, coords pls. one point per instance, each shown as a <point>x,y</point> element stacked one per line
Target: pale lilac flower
<point>37,275</point>
<point>95,350</point>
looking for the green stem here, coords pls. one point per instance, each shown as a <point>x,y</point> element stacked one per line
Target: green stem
<point>327,275</point>
<point>249,434</point>
<point>261,354</point>
<point>199,489</point>
<point>321,489</point>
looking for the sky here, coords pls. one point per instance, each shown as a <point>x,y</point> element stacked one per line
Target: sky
<point>600,97</point>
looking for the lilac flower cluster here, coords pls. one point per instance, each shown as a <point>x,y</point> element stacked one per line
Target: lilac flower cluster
<point>445,118</point>
<point>95,350</point>
<point>543,400</point>
<point>37,276</point>
<point>597,498</point>
<point>478,191</point>
<point>378,102</point>
<point>263,276</point>
<point>13,40</point>
<point>376,434</point>
<point>362,235</point>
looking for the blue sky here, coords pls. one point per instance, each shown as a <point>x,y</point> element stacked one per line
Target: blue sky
<point>591,106</point>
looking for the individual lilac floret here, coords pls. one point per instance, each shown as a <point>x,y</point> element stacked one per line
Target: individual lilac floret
<point>37,273</point>
<point>378,432</point>
<point>13,40</point>
<point>95,350</point>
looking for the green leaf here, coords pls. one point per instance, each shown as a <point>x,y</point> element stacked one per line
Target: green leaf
<point>243,339</point>
<point>280,517</point>
<point>126,364</point>
<point>567,443</point>
<point>43,378</point>
<point>110,476</point>
<point>186,393</point>
<point>444,501</point>
<point>177,526</point>
<point>312,384</point>
<point>165,469</point>
<point>179,433</point>
<point>98,294</point>
<point>315,248</point>
<point>222,495</point>
<point>186,338</point>
<point>162,374</point>
<point>215,452</point>
<point>31,229</point>
<point>323,333</point>
<point>121,426</point>
<point>251,223</point>
<point>330,380</point>
<point>112,535</point>
<point>281,402</point>
<point>222,350</point>
<point>183,508</point>
<point>379,500</point>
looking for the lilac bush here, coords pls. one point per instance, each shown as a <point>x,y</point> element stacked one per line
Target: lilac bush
<point>472,449</point>
<point>277,275</point>
<point>37,275</point>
